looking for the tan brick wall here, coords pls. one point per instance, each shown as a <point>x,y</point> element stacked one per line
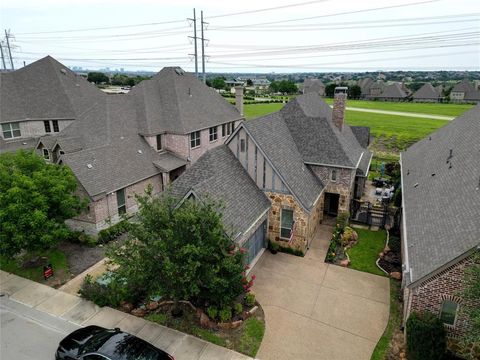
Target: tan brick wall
<point>430,295</point>
<point>344,184</point>
<point>305,223</point>
<point>178,144</point>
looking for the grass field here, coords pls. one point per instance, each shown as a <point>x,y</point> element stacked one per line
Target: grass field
<point>364,254</point>
<point>255,110</point>
<point>419,108</point>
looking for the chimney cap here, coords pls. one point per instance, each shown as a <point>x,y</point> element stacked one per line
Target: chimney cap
<point>341,90</point>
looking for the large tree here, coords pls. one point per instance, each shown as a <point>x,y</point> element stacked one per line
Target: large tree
<point>35,199</point>
<point>219,83</point>
<point>284,87</point>
<point>97,77</point>
<point>180,252</point>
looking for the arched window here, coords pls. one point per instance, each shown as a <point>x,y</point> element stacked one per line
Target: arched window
<point>333,175</point>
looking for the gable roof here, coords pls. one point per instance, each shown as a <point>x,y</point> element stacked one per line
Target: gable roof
<point>463,86</point>
<point>394,91</point>
<point>272,135</point>
<point>45,89</point>
<point>312,85</point>
<point>441,196</point>
<point>427,91</point>
<point>218,174</point>
<point>176,102</point>
<point>362,134</point>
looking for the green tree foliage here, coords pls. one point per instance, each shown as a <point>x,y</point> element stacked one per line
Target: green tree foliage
<point>35,199</point>
<point>284,87</point>
<point>97,77</point>
<point>354,92</point>
<point>249,82</point>
<point>219,83</point>
<point>182,253</point>
<point>330,90</point>
<point>426,337</point>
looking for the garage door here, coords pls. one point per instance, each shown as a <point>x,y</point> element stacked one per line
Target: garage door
<point>256,242</point>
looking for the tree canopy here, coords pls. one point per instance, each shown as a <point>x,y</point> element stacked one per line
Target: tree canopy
<point>219,83</point>
<point>97,77</point>
<point>35,200</point>
<point>180,253</point>
<point>284,87</point>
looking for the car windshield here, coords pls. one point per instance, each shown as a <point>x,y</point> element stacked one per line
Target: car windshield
<point>124,346</point>
<point>96,342</point>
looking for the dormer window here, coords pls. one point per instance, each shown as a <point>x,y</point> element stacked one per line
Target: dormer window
<point>159,142</point>
<point>46,154</point>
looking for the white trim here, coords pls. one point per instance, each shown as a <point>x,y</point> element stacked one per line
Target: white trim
<point>329,165</point>
<point>368,167</point>
<point>359,159</point>
<point>257,220</point>
<point>255,260</point>
<point>407,268</point>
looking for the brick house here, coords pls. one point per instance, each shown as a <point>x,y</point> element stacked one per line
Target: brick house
<point>304,159</point>
<point>465,92</point>
<point>428,93</point>
<point>440,224</point>
<point>313,85</point>
<point>116,145</point>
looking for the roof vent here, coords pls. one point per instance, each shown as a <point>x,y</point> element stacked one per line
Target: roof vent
<point>140,151</point>
<point>63,71</point>
<point>179,71</point>
<point>416,185</point>
<point>433,174</point>
<point>450,166</point>
<point>90,166</point>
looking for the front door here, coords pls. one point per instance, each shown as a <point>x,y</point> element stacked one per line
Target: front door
<point>256,242</point>
<point>331,204</point>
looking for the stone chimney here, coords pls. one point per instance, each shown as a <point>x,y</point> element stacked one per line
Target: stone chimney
<point>339,102</point>
<point>239,99</point>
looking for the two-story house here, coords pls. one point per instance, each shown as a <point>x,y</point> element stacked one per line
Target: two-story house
<point>116,145</point>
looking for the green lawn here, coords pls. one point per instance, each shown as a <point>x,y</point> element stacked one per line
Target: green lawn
<point>393,133</point>
<point>420,108</point>
<point>252,336</point>
<point>364,254</point>
<point>255,110</point>
<point>55,257</point>
<point>394,322</point>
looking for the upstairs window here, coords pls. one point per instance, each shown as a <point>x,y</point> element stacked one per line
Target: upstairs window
<point>55,126</point>
<point>333,175</point>
<point>242,145</point>
<point>48,129</point>
<point>213,133</point>
<point>121,206</point>
<point>195,139</point>
<point>449,312</point>
<point>159,142</point>
<point>11,130</point>
<point>224,130</point>
<point>286,223</point>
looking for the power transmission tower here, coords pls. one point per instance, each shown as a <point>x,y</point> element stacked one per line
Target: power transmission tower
<point>203,23</point>
<point>7,36</point>
<point>3,56</point>
<point>194,37</point>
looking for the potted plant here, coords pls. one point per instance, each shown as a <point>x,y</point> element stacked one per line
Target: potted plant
<point>274,247</point>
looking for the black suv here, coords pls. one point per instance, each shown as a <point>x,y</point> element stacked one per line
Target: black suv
<point>97,343</point>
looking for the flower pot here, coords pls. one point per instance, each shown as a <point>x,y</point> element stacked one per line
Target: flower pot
<point>273,251</point>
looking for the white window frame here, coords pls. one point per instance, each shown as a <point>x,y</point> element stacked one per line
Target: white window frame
<point>195,140</point>
<point>213,133</point>
<point>281,218</point>
<point>457,306</point>
<point>11,128</point>
<point>124,205</point>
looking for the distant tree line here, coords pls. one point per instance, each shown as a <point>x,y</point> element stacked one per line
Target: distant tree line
<point>97,77</point>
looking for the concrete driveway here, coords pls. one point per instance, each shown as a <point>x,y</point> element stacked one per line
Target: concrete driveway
<point>314,310</point>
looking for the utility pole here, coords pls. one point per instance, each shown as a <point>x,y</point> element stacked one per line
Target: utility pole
<point>7,35</point>
<point>194,20</point>
<point>3,56</point>
<point>203,48</point>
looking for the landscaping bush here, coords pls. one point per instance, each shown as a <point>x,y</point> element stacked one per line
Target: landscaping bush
<point>103,295</point>
<point>343,220</point>
<point>349,236</point>
<point>250,300</point>
<point>82,238</point>
<point>111,233</point>
<point>225,314</point>
<point>291,251</point>
<point>238,308</point>
<point>212,312</point>
<point>426,337</point>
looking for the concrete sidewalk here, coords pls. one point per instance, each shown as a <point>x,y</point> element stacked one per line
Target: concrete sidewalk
<point>81,312</point>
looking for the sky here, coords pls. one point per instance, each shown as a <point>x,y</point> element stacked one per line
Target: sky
<point>248,35</point>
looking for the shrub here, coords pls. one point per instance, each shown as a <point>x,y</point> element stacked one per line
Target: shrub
<point>394,244</point>
<point>103,295</point>
<point>349,235</point>
<point>225,314</point>
<point>111,233</point>
<point>238,308</point>
<point>289,250</point>
<point>82,238</point>
<point>273,246</point>
<point>426,337</point>
<point>212,312</point>
<point>250,300</point>
<point>342,220</point>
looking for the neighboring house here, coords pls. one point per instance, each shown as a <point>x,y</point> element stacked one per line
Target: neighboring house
<point>393,92</point>
<point>441,220</point>
<point>304,159</point>
<point>312,85</point>
<point>116,145</point>
<point>428,93</point>
<point>371,89</point>
<point>465,92</point>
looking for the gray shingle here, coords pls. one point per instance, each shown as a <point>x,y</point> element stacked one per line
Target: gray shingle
<point>313,85</point>
<point>362,134</point>
<point>218,175</point>
<point>393,91</point>
<point>427,92</point>
<point>168,161</point>
<point>441,203</point>
<point>463,86</point>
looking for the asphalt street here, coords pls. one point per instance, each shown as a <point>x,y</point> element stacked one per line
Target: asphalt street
<point>28,334</point>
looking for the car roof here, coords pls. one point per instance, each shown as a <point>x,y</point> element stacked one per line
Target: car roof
<point>124,346</point>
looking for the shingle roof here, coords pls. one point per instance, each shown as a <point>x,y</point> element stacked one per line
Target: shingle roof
<point>441,198</point>
<point>14,145</point>
<point>393,91</point>
<point>427,91</point>
<point>168,161</point>
<point>175,101</point>
<point>219,175</point>
<point>362,134</point>
<point>274,138</point>
<point>45,89</point>
<point>313,85</point>
<point>463,86</point>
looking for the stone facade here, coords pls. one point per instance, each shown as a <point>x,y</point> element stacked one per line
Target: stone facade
<point>103,212</point>
<point>447,285</point>
<point>343,185</point>
<point>305,223</point>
